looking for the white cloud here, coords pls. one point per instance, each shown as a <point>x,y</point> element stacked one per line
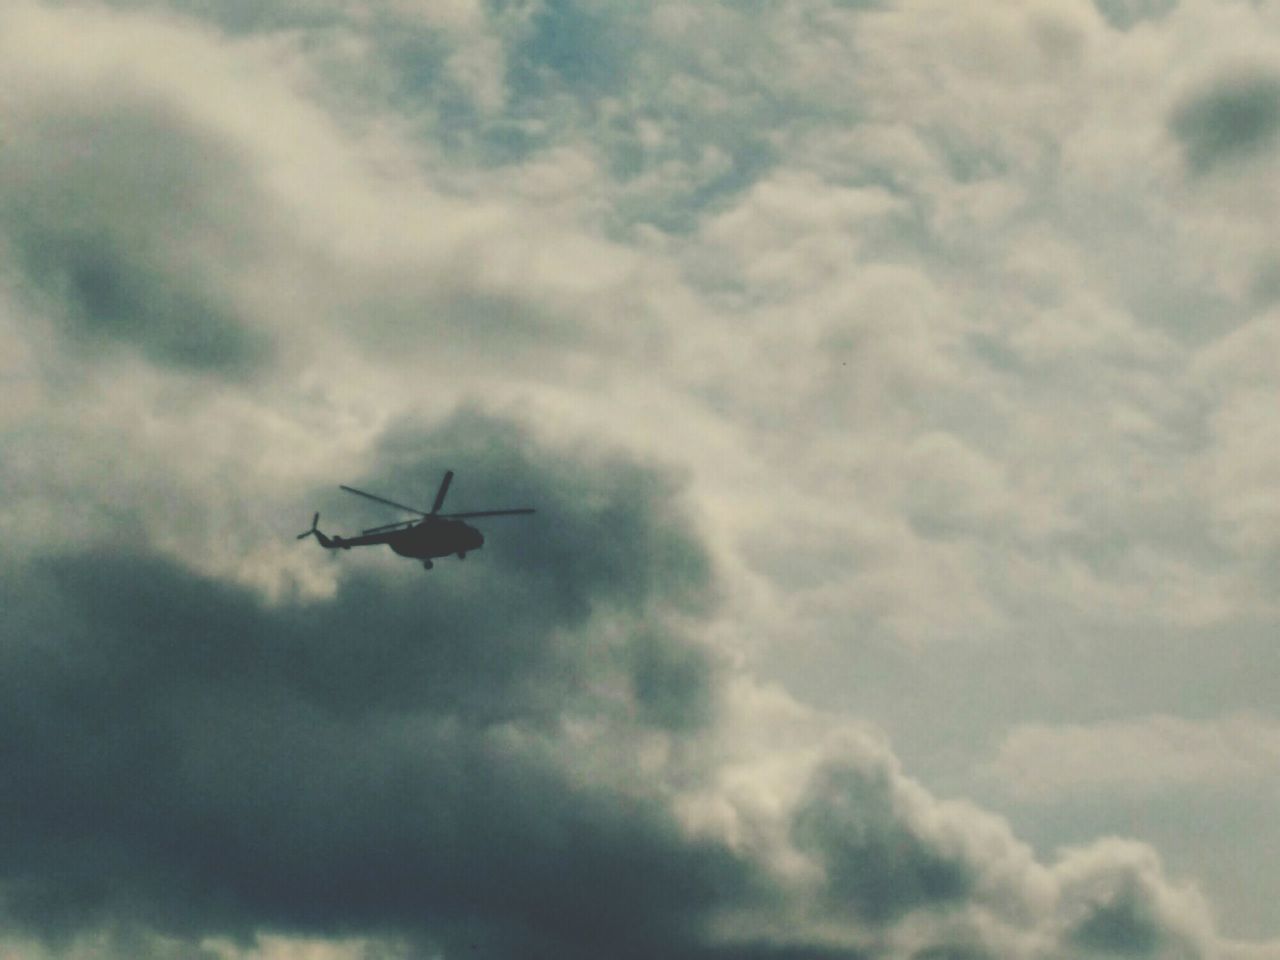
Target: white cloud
<point>1155,753</point>
<point>278,947</point>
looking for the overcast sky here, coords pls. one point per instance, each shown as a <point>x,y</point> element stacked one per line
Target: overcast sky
<point>897,385</point>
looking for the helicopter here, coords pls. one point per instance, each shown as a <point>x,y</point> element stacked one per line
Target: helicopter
<point>432,536</point>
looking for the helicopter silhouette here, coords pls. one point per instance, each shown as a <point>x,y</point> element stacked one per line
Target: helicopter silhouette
<point>432,536</point>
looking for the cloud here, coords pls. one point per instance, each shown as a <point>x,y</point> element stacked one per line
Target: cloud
<point>1144,754</point>
<point>1126,14</point>
<point>396,756</point>
<point>874,863</point>
<point>1116,903</point>
<point>1230,118</point>
<point>512,763</point>
<point>588,49</point>
<point>124,219</point>
<point>961,379</point>
<point>133,215</point>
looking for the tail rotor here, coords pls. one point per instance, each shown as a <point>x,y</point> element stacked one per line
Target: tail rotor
<point>313,531</point>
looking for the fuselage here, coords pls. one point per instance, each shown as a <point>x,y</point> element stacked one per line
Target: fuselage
<point>434,537</point>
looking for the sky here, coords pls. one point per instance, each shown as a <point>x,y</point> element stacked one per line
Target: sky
<point>896,384</point>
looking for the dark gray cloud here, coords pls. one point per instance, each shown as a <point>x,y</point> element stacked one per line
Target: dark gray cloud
<point>1125,925</point>
<point>951,953</point>
<point>398,759</point>
<point>127,224</point>
<point>1233,117</point>
<point>605,524</point>
<point>1124,14</point>
<point>876,863</point>
<point>1119,913</point>
<point>799,950</point>
<point>189,756</point>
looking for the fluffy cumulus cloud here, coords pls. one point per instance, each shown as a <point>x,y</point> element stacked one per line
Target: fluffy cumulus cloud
<point>894,382</point>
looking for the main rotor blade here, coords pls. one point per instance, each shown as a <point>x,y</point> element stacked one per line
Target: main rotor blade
<point>486,513</point>
<point>389,503</point>
<point>390,526</point>
<point>444,488</point>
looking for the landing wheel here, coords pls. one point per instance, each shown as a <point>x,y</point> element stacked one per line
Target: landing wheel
<point>462,554</point>
<point>427,564</point>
